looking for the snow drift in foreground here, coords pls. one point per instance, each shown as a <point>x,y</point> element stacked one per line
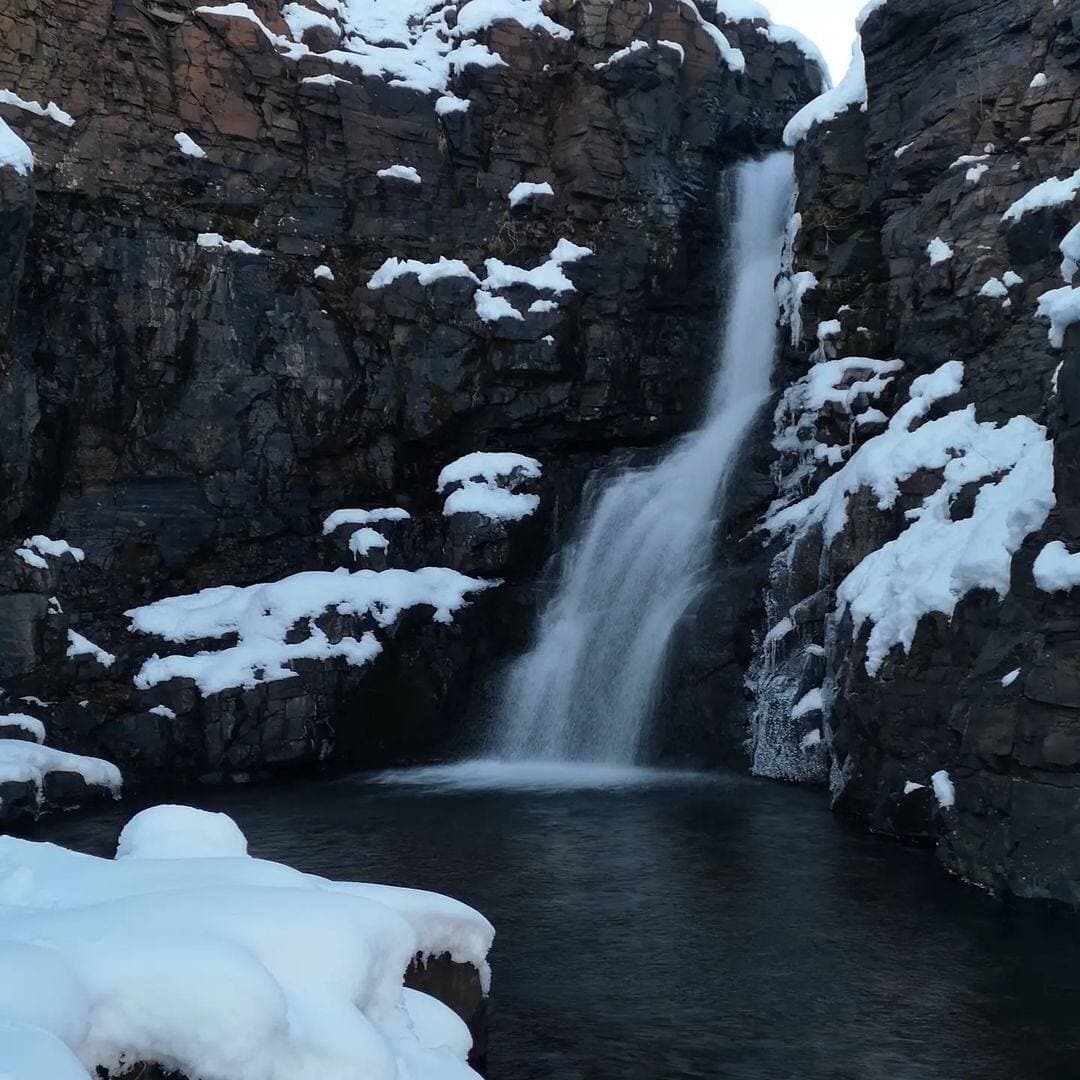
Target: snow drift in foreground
<point>185,951</point>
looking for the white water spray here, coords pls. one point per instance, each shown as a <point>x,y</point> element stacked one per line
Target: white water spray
<point>587,689</point>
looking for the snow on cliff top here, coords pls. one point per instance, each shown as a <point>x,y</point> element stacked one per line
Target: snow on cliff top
<point>185,951</point>
<point>850,91</point>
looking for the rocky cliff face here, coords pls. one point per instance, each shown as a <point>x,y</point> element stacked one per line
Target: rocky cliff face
<point>187,395</point>
<point>911,628</point>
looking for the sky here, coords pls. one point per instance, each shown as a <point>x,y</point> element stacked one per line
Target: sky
<point>830,24</point>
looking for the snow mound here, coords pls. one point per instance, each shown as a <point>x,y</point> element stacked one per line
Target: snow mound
<point>265,616</point>
<point>186,952</point>
<point>1056,570</point>
<point>180,832</point>
<point>486,483</point>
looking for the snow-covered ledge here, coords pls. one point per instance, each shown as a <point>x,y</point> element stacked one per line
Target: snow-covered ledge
<point>187,953</point>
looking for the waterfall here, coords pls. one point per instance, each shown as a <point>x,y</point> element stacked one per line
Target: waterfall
<point>586,690</point>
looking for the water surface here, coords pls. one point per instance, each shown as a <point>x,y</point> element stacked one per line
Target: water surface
<point>676,928</point>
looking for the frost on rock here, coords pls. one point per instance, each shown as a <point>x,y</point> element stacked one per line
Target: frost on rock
<point>994,288</point>
<point>264,617</point>
<point>486,483</point>
<point>185,952</point>
<point>935,561</point>
<point>81,646</point>
<point>211,240</point>
<point>526,191</point>
<point>1052,192</point>
<point>322,273</point>
<point>188,146</point>
<point>400,172</point>
<point>939,251</point>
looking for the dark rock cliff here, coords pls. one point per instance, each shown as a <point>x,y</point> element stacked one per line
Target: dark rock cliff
<point>188,415</point>
<point>969,107</point>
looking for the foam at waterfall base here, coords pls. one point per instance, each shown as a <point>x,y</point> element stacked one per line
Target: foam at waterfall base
<point>487,774</point>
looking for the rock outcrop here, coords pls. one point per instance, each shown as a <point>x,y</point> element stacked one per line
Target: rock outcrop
<point>197,370</point>
<point>965,732</point>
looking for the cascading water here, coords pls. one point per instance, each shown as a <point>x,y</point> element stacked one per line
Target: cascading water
<point>587,689</point>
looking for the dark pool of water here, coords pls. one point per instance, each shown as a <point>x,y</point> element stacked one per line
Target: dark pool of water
<point>730,928</point>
